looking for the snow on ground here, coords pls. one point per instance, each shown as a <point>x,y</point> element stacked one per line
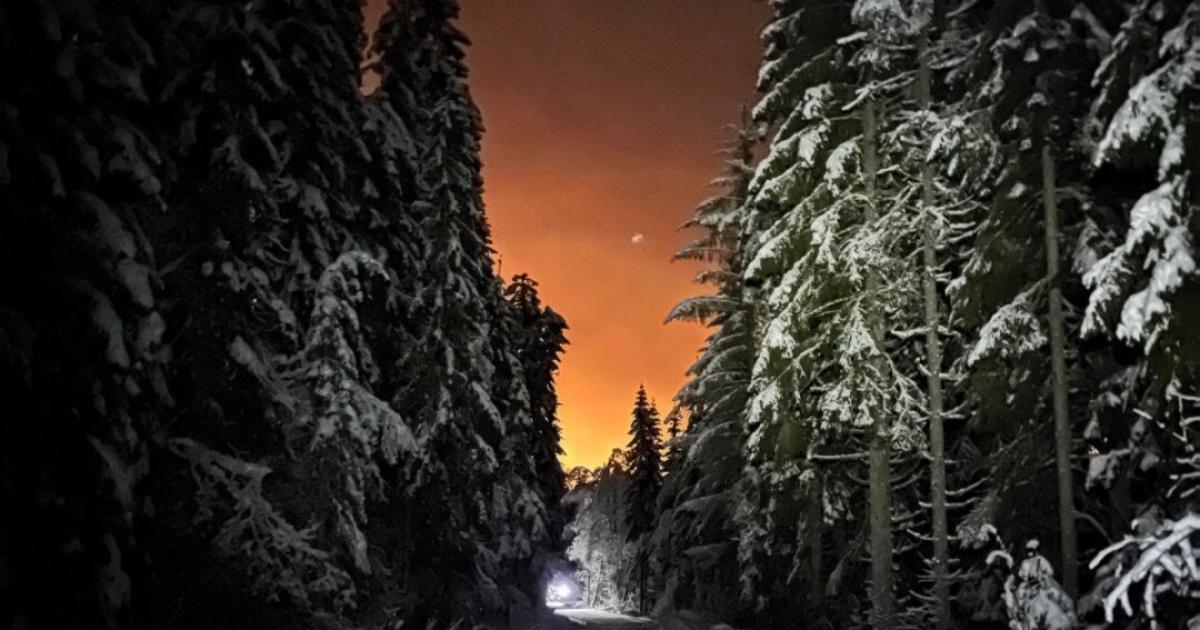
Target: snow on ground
<point>590,618</point>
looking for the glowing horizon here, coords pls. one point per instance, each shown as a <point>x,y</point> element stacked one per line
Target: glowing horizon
<point>593,155</point>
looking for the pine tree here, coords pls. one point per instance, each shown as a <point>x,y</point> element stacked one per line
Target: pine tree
<point>279,286</point>
<point>237,246</point>
<point>982,201</point>
<point>1143,114</point>
<point>420,76</point>
<point>693,541</point>
<point>1139,269</point>
<point>792,210</point>
<point>644,459</point>
<point>467,395</point>
<point>83,349</point>
<point>1039,67</point>
<point>539,341</point>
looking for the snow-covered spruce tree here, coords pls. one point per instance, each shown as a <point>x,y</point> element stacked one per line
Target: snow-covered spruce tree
<point>409,49</point>
<point>351,432</point>
<point>286,256</point>
<point>897,230</point>
<point>272,189</point>
<point>943,139</point>
<point>988,154</point>
<point>643,456</point>
<point>82,352</point>
<point>1034,63</point>
<point>958,158</point>
<point>1145,119</point>
<point>694,541</point>
<point>828,383</point>
<point>960,47</point>
<point>805,82</point>
<point>359,160</point>
<point>1140,271</point>
<point>928,147</point>
<point>825,261</point>
<point>341,436</point>
<point>480,514</point>
<point>519,532</point>
<point>539,340</point>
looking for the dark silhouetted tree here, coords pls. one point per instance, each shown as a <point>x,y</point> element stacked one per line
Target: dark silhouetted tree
<point>643,458</point>
<point>539,341</point>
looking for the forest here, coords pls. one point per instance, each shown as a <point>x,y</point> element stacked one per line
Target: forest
<point>259,368</point>
<point>951,380</point>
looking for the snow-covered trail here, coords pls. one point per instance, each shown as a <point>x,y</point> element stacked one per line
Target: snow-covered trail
<point>589,618</point>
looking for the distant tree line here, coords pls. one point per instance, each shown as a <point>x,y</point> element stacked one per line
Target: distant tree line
<point>953,379</point>
<point>256,367</point>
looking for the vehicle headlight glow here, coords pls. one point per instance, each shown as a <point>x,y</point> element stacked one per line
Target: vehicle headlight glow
<point>560,591</point>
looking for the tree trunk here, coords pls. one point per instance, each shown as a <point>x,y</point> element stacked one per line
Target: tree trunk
<point>815,517</point>
<point>933,363</point>
<point>882,598</point>
<point>1062,423</point>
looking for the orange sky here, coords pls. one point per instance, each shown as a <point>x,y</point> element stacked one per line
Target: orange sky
<point>603,118</point>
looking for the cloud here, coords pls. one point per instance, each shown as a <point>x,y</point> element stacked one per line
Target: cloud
<point>637,238</point>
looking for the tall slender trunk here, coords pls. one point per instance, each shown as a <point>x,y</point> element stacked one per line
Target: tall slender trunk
<point>933,364</point>
<point>882,598</point>
<point>1062,423</point>
<point>815,517</point>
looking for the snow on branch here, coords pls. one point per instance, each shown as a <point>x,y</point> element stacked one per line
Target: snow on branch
<point>1013,330</point>
<point>282,559</point>
<point>1167,562</point>
<point>700,309</point>
<point>1159,242</point>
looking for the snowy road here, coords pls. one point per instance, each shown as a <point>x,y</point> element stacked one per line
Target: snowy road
<point>588,618</point>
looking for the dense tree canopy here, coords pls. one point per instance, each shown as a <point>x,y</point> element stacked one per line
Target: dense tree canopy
<point>950,292</point>
<point>258,370</point>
